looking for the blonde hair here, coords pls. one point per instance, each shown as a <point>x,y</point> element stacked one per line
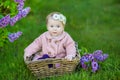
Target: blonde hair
<point>51,16</point>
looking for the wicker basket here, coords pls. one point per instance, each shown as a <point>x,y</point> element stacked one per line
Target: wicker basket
<point>41,67</point>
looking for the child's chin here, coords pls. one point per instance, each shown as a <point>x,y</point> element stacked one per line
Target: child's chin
<point>55,35</point>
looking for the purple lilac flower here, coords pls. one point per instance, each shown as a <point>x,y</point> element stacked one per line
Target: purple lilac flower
<point>95,66</point>
<point>20,6</point>
<point>25,11</point>
<point>19,1</point>
<point>14,19</point>
<point>97,52</point>
<point>19,33</point>
<point>84,66</point>
<point>91,57</point>
<point>14,36</point>
<point>98,55</point>
<point>20,15</point>
<point>105,56</point>
<point>4,21</point>
<point>84,59</point>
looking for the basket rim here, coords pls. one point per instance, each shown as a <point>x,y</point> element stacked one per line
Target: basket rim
<point>51,59</point>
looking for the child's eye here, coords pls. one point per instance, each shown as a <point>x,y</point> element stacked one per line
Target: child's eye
<point>58,26</point>
<point>51,26</point>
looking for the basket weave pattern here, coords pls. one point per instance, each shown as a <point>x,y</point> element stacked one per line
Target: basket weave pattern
<point>41,68</point>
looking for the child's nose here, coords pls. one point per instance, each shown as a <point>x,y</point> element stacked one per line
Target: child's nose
<point>55,28</point>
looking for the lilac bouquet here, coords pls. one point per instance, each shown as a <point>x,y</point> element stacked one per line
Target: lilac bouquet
<point>90,61</point>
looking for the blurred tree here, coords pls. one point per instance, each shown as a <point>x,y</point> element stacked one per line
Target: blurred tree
<point>8,7</point>
<point>117,1</point>
<point>11,11</point>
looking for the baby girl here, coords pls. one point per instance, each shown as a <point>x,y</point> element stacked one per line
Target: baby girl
<point>55,43</point>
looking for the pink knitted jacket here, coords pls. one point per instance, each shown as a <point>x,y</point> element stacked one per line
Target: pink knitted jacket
<point>59,47</point>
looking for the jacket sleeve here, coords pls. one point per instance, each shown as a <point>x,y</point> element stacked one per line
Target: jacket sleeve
<point>70,46</point>
<point>35,46</point>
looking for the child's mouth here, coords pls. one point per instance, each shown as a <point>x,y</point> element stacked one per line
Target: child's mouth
<point>54,32</point>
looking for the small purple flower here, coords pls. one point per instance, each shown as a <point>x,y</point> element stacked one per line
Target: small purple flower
<point>19,16</point>
<point>84,59</point>
<point>19,33</point>
<point>25,11</point>
<point>97,52</point>
<point>91,57</point>
<point>84,66</point>
<point>98,55</point>
<point>13,36</point>
<point>19,1</point>
<point>4,21</point>
<point>105,56</point>
<point>14,19</point>
<point>20,6</point>
<point>95,66</point>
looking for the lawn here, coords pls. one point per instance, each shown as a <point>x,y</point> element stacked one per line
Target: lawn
<point>94,24</point>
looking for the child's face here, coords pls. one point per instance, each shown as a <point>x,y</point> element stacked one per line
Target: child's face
<point>55,27</point>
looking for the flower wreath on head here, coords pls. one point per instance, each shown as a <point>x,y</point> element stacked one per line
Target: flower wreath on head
<point>7,20</point>
<point>59,17</point>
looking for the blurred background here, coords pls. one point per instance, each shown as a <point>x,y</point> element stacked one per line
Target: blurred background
<point>94,24</point>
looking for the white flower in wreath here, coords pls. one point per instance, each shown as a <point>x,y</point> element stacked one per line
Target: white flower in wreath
<point>59,17</point>
<point>56,16</point>
<point>62,18</point>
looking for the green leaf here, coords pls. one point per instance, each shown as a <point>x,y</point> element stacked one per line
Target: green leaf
<point>83,51</point>
<point>1,16</point>
<point>6,3</point>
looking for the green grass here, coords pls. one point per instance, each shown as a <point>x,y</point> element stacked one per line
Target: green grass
<point>94,24</point>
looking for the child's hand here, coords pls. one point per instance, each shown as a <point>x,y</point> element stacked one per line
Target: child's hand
<point>69,57</point>
<point>26,56</point>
